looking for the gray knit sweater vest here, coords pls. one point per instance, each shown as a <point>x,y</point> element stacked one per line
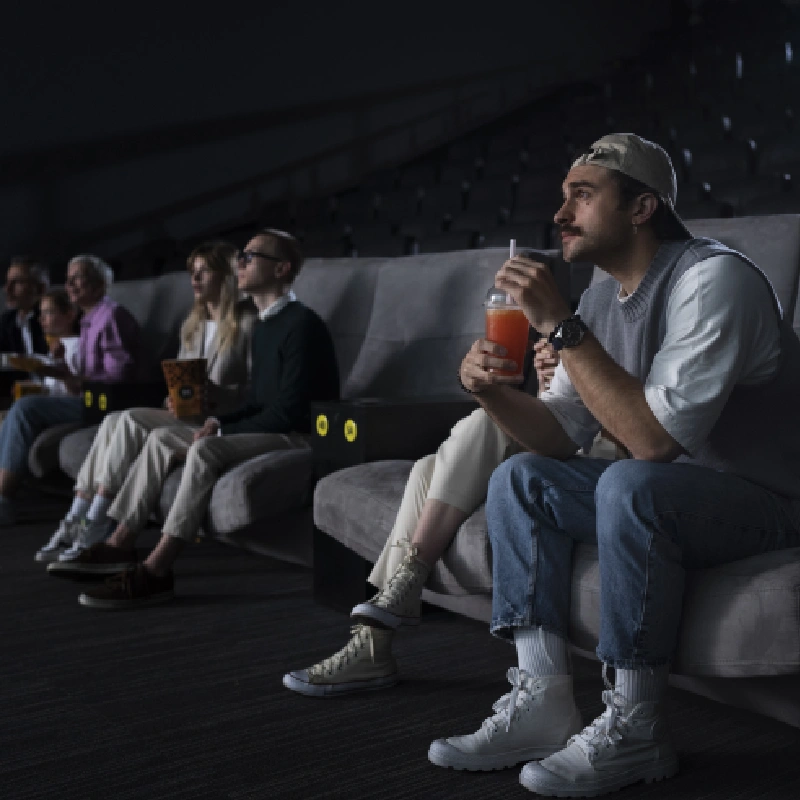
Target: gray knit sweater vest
<point>757,436</point>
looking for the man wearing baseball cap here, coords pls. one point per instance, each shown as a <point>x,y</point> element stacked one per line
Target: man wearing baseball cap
<point>684,357</point>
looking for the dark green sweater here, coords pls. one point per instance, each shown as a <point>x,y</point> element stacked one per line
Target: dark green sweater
<point>294,363</point>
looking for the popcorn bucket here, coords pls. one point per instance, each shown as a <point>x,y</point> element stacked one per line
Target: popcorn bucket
<point>186,382</point>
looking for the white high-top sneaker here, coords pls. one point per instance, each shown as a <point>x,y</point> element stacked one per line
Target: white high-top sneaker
<point>626,744</point>
<point>63,538</point>
<point>365,662</point>
<point>88,533</point>
<point>534,720</point>
<point>398,603</point>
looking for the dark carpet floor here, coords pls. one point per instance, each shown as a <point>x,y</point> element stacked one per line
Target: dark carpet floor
<point>185,701</point>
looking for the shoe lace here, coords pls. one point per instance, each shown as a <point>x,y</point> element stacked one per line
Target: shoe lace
<point>399,584</point>
<point>82,533</point>
<point>608,728</point>
<point>342,658</point>
<point>524,689</point>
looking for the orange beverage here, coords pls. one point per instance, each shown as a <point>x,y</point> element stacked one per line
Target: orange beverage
<point>509,328</point>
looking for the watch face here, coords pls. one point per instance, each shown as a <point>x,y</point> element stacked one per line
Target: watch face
<point>571,333</point>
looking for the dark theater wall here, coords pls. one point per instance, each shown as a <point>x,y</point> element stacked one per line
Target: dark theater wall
<point>125,122</point>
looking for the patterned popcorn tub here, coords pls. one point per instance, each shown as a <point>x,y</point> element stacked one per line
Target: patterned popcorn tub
<point>186,382</point>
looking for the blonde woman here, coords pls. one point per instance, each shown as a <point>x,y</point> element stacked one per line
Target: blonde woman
<point>218,329</point>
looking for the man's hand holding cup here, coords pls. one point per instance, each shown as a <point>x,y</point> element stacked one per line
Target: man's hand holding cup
<point>532,286</point>
<point>476,369</point>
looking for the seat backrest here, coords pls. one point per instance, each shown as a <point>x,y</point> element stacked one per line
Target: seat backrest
<point>401,326</point>
<point>159,305</point>
<point>771,242</point>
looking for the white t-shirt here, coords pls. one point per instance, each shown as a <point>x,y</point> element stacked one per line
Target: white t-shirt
<point>71,359</point>
<point>722,330</point>
<point>210,333</point>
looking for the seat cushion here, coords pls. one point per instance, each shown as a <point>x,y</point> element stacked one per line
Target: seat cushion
<point>74,448</point>
<point>739,620</point>
<point>358,506</point>
<point>43,457</point>
<point>263,487</point>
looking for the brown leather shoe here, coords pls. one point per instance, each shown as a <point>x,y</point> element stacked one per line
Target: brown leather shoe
<point>99,560</point>
<point>133,588</point>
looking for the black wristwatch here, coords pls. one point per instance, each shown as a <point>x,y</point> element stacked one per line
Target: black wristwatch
<point>568,333</point>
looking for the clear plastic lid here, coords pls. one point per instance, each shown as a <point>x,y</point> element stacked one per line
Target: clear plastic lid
<point>499,298</point>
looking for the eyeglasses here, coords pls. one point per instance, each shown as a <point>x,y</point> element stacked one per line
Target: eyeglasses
<point>248,255</point>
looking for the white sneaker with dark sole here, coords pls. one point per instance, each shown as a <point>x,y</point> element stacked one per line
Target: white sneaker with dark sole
<point>62,539</point>
<point>89,532</point>
<point>625,745</point>
<point>364,663</point>
<point>532,721</point>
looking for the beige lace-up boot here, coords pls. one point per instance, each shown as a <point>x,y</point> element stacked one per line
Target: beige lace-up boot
<point>398,603</point>
<point>365,662</point>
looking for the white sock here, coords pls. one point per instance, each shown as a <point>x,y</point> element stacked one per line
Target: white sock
<point>641,685</point>
<point>541,652</point>
<point>77,511</point>
<point>99,508</point>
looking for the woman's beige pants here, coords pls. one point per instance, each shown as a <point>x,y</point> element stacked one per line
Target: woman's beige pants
<point>117,445</point>
<point>457,474</point>
<point>206,459</point>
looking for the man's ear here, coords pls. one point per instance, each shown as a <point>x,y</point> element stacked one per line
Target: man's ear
<point>644,207</point>
<point>282,270</point>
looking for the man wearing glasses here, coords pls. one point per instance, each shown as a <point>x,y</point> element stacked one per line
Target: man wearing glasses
<point>293,364</point>
<point>20,331</point>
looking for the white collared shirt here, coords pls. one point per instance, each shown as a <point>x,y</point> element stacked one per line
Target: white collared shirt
<point>25,329</point>
<point>281,303</point>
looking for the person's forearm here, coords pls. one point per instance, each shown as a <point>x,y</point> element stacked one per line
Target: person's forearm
<point>616,400</point>
<point>527,420</point>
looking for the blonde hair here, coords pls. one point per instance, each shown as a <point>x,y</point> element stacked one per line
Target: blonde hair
<point>220,259</point>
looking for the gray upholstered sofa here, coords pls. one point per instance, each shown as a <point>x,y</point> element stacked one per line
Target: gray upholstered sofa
<point>400,327</point>
<point>740,634</point>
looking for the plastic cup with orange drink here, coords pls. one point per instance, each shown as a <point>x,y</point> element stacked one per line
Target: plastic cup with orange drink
<point>507,325</point>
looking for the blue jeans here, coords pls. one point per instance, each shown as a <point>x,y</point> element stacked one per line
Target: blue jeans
<point>651,522</point>
<point>26,419</point>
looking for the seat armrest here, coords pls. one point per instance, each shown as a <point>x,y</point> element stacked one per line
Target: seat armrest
<point>100,398</point>
<point>350,432</point>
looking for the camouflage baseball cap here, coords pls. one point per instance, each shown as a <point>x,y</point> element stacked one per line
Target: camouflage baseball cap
<point>640,159</point>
